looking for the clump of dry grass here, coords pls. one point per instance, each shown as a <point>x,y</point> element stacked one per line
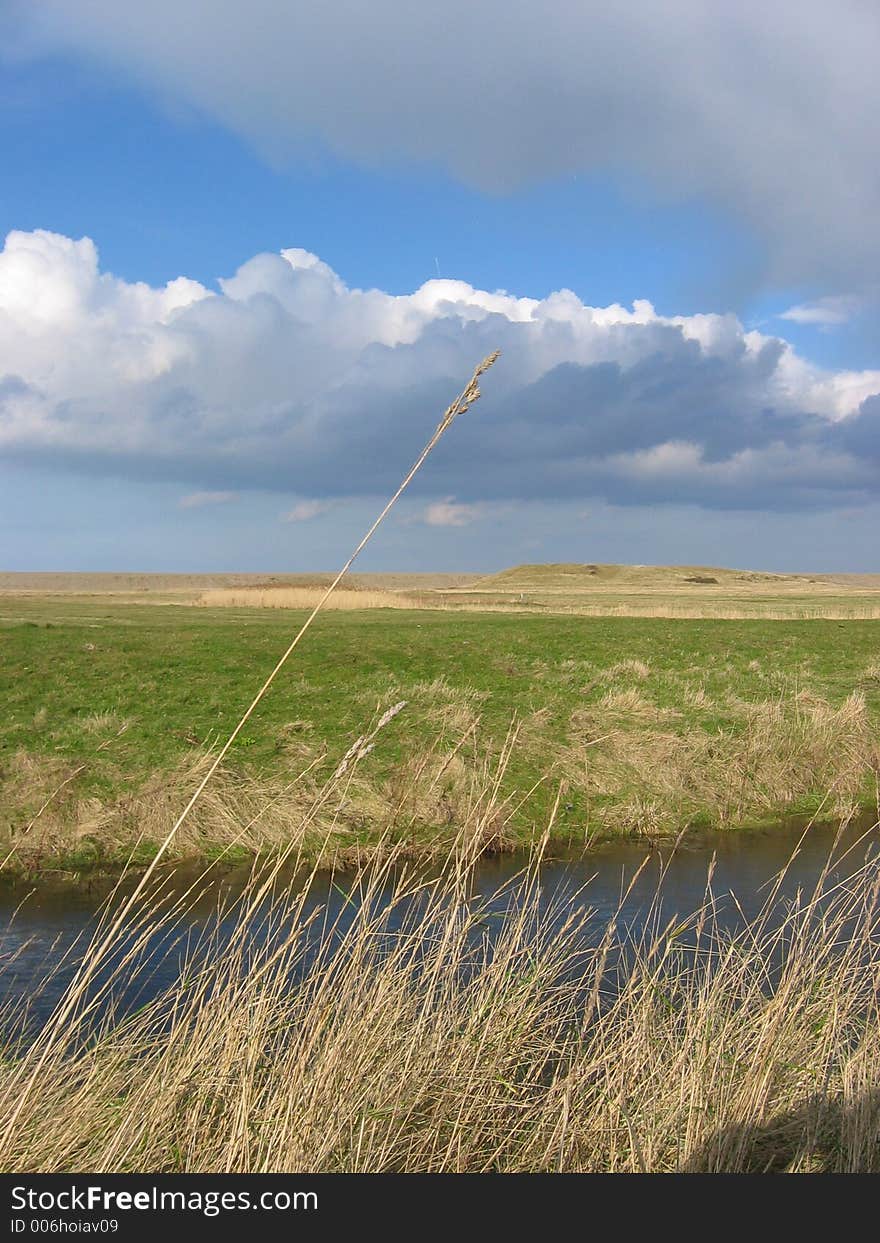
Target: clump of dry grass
<point>696,697</point>
<point>451,710</point>
<point>638,669</point>
<point>639,775</point>
<point>406,1037</point>
<point>631,704</point>
<point>103,723</point>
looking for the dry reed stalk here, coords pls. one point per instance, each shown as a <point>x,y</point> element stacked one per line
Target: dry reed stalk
<point>97,953</point>
<point>468,396</point>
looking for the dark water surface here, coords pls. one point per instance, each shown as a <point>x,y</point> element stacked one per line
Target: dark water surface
<point>43,932</point>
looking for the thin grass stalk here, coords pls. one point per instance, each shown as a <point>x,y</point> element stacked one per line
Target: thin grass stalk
<point>466,398</point>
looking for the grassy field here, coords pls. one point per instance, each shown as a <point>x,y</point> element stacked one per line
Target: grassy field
<point>645,725</point>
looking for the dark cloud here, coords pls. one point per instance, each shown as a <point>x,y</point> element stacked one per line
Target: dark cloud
<point>767,110</point>
<point>860,435</point>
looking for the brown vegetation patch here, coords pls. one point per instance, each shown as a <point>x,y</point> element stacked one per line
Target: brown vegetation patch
<point>305,598</point>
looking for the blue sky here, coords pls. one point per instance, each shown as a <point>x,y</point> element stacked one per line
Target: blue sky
<point>168,192</point>
<point>254,424</point>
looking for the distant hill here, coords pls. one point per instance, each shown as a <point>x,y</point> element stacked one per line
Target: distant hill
<point>572,580</point>
<point>577,577</point>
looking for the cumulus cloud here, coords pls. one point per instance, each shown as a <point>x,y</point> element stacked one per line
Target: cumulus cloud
<point>198,500</point>
<point>449,513</point>
<point>304,511</point>
<point>288,380</point>
<point>769,110</point>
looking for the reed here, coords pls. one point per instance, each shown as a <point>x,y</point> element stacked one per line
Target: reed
<point>304,598</point>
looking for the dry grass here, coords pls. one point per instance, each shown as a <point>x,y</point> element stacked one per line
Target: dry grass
<point>327,810</point>
<point>692,580</point>
<point>417,1040</point>
<point>654,779</point>
<point>630,704</point>
<point>305,598</point>
<point>711,608</point>
<point>189,586</point>
<point>638,669</point>
<point>731,611</point>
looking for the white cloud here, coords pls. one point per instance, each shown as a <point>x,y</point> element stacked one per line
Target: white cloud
<point>198,500</point>
<point>304,511</point>
<point>448,513</point>
<point>767,110</point>
<point>825,312</point>
<point>288,380</point>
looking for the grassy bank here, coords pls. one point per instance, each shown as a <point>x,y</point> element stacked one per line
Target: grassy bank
<point>646,725</point>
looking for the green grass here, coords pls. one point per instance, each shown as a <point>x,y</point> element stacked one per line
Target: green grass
<point>73,672</point>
